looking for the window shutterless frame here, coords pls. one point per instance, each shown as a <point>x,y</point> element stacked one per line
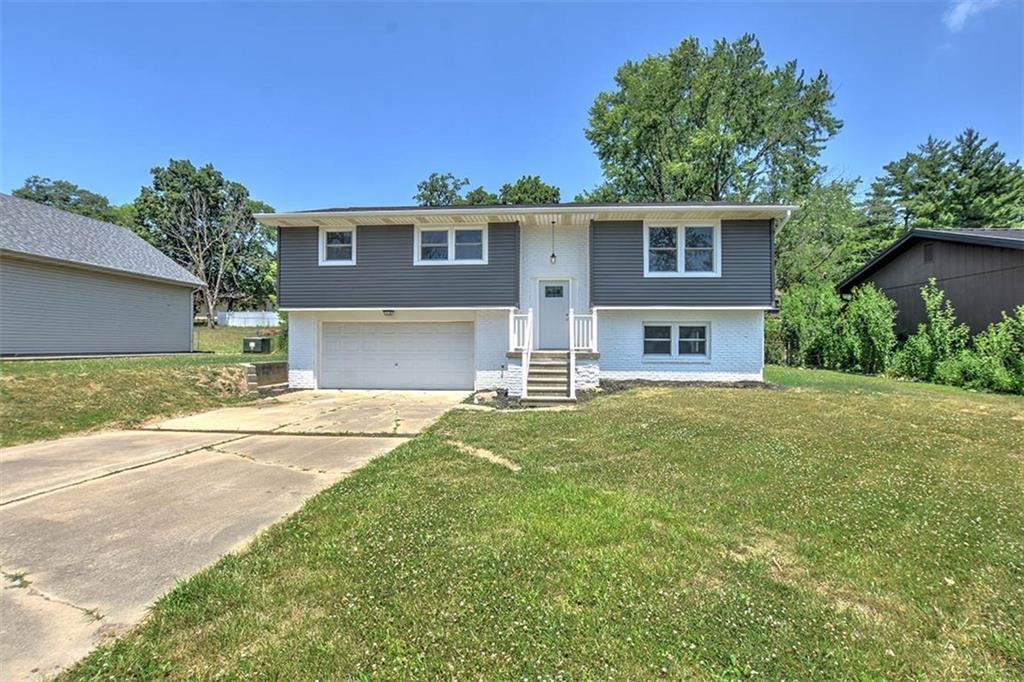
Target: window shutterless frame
<point>322,247</point>
<point>654,341</point>
<point>681,247</point>
<point>460,239</point>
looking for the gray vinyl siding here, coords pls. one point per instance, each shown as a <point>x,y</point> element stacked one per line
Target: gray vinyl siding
<point>384,275</point>
<point>617,269</point>
<point>48,309</point>
<point>980,281</point>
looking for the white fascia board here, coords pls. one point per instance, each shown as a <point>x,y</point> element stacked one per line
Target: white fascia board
<point>269,218</point>
<point>371,309</point>
<point>683,307</point>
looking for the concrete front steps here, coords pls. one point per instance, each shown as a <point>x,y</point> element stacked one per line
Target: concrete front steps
<point>547,382</point>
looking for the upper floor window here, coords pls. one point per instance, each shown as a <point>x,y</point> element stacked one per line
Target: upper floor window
<point>337,246</point>
<point>680,250</point>
<point>450,245</point>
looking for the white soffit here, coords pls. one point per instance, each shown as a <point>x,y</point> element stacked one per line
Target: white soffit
<point>523,216</point>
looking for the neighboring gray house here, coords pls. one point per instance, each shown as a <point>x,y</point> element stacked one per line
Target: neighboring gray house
<point>71,285</point>
<point>538,300</point>
<point>981,271</point>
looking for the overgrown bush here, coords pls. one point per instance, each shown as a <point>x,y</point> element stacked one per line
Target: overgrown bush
<point>774,340</point>
<point>869,329</point>
<point>994,363</point>
<point>935,341</point>
<point>820,331</point>
<point>812,325</point>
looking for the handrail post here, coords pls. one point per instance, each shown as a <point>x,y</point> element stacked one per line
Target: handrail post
<point>511,329</point>
<point>527,348</point>
<point>572,355</point>
<point>593,330</point>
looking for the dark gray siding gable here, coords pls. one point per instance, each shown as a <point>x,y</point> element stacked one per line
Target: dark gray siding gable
<point>384,275</point>
<point>617,269</point>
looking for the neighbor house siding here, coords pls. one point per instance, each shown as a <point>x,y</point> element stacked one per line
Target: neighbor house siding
<point>980,281</point>
<point>384,275</point>
<point>48,309</point>
<point>617,269</point>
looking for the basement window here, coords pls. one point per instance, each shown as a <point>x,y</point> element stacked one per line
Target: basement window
<point>675,342</point>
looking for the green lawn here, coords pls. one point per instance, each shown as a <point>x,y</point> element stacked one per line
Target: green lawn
<point>846,527</point>
<point>228,340</point>
<point>52,398</point>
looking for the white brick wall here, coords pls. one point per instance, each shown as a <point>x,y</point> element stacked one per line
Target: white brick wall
<point>491,345</point>
<point>588,374</point>
<point>302,350</point>
<point>572,263</point>
<point>735,346</point>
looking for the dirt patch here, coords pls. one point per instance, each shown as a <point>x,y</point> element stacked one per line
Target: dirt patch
<point>485,455</point>
<point>224,382</point>
<point>786,567</point>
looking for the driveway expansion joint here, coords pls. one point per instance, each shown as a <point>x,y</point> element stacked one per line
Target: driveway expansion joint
<point>107,474</point>
<point>20,581</point>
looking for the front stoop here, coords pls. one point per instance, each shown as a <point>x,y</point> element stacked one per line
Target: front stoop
<point>547,382</point>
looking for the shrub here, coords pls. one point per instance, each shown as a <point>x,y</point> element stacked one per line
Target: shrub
<point>935,341</point>
<point>813,327</point>
<point>869,329</point>
<point>774,340</point>
<point>995,363</point>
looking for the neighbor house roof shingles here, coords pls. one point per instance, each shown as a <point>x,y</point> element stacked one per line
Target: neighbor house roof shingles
<point>40,231</point>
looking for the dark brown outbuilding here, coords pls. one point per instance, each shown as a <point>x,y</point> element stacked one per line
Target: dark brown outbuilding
<point>980,270</point>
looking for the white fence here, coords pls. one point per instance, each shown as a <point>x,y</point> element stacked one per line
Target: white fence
<point>242,318</point>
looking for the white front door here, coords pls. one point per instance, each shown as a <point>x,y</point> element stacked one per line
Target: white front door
<point>553,314</point>
<point>424,355</point>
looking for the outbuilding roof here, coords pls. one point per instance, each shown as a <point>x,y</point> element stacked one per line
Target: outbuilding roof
<point>38,231</point>
<point>1007,238</point>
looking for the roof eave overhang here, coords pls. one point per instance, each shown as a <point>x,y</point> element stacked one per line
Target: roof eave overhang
<point>919,233</point>
<point>522,214</point>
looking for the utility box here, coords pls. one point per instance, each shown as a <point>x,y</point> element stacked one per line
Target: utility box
<point>256,344</point>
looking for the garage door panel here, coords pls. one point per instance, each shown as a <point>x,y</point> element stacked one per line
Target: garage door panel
<point>434,355</point>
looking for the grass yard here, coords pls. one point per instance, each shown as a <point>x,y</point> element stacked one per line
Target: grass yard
<point>47,399</point>
<point>228,340</point>
<point>846,527</point>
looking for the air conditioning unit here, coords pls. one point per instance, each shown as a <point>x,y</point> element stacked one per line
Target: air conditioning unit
<point>256,344</point>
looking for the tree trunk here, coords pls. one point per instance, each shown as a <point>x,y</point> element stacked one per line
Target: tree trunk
<point>211,310</point>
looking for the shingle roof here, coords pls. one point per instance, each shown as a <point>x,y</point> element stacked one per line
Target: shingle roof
<point>33,229</point>
<point>1006,238</point>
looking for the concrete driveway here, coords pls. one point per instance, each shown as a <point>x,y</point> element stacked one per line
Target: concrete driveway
<point>93,529</point>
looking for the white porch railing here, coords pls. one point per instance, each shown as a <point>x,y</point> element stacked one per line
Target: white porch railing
<point>572,355</point>
<point>518,334</point>
<point>583,332</point>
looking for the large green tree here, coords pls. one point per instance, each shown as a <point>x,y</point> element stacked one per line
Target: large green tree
<point>529,189</point>
<point>964,183</point>
<point>68,196</point>
<point>713,124</point>
<point>820,244</point>
<point>445,189</point>
<point>205,223</point>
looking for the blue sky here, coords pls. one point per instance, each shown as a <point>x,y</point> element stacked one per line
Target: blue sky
<point>314,105</point>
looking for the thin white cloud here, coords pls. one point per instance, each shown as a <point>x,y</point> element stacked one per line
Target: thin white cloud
<point>962,10</point>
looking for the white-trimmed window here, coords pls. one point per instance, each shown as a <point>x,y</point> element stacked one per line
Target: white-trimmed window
<point>674,249</point>
<point>676,341</point>
<point>463,245</point>
<point>337,246</point>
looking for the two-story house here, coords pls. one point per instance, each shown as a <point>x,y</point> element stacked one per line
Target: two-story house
<point>539,300</point>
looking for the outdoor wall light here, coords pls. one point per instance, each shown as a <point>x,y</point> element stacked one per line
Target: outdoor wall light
<point>553,258</point>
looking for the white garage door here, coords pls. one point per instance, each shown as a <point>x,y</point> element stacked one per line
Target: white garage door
<point>436,355</point>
